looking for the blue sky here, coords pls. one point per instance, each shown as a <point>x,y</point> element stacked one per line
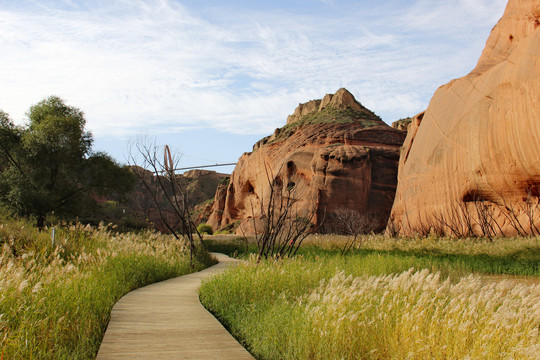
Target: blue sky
<point>210,78</point>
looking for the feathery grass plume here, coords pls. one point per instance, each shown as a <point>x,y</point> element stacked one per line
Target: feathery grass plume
<point>375,306</point>
<point>55,302</point>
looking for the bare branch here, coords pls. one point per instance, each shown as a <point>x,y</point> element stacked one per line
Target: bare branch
<point>169,188</point>
<point>284,225</point>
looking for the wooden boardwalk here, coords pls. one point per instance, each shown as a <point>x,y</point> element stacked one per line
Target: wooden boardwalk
<point>167,321</point>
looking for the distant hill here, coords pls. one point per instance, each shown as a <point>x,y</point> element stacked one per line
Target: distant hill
<point>201,184</point>
<point>139,208</point>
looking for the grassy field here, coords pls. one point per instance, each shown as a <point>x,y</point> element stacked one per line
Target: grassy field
<point>388,299</point>
<point>55,301</point>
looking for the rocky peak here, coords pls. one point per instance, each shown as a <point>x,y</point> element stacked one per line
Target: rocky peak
<point>342,99</point>
<point>338,108</point>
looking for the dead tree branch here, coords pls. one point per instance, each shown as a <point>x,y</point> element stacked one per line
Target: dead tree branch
<point>166,190</point>
<point>282,224</point>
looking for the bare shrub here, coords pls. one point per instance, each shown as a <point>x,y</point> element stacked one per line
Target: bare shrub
<point>531,207</point>
<point>422,227</point>
<point>392,228</point>
<point>457,222</point>
<point>460,221</point>
<point>512,215</point>
<point>477,216</point>
<point>166,190</point>
<point>352,223</point>
<point>283,225</point>
<point>485,218</point>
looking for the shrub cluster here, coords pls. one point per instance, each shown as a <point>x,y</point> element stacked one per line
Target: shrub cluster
<point>205,229</point>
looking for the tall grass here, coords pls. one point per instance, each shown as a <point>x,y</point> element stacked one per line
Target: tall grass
<point>451,257</point>
<point>519,247</point>
<point>379,305</point>
<point>55,301</point>
<point>416,315</point>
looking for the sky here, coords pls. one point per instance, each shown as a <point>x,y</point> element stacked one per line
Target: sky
<point>209,78</point>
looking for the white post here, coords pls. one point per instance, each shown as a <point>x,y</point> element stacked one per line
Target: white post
<point>52,235</point>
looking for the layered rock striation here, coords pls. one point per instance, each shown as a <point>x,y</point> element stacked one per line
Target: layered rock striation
<point>334,153</point>
<point>470,162</point>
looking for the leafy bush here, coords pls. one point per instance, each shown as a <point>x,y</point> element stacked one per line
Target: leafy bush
<point>205,229</point>
<point>225,181</point>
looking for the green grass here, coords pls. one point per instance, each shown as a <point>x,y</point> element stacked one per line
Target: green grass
<point>451,257</point>
<point>55,302</point>
<point>332,115</point>
<point>324,306</point>
<point>237,247</point>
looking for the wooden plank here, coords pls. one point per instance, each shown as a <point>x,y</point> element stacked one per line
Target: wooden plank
<point>167,321</point>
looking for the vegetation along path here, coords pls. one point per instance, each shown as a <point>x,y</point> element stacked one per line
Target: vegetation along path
<point>167,321</point>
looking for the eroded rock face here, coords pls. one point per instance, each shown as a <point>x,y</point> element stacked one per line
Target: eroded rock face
<point>201,185</point>
<point>336,156</point>
<point>402,124</point>
<point>474,151</point>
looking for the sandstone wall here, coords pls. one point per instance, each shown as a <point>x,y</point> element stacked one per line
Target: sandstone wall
<point>475,150</point>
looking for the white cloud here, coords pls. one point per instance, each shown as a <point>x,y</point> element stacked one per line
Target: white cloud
<point>155,66</point>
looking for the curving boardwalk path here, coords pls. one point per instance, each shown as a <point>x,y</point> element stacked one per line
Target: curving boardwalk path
<point>167,321</point>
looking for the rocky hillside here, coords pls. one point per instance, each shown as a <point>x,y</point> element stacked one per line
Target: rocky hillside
<point>200,185</point>
<point>470,161</point>
<point>333,153</point>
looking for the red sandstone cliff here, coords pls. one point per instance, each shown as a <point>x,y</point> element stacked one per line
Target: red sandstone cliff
<point>472,156</point>
<point>334,152</point>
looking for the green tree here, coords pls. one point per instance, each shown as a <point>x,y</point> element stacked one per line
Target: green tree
<point>48,165</point>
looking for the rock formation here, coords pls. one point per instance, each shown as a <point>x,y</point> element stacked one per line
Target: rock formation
<point>402,124</point>
<point>334,153</point>
<point>471,159</point>
<point>203,210</point>
<point>201,185</point>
